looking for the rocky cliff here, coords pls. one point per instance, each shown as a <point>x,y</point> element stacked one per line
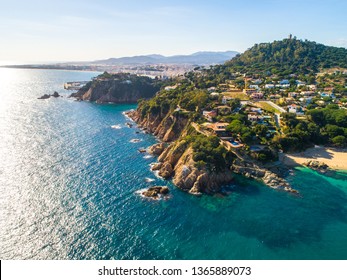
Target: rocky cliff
<point>176,160</point>
<point>118,88</point>
<point>165,125</point>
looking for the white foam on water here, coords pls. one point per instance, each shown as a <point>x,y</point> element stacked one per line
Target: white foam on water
<point>116,126</point>
<point>147,156</point>
<point>148,180</point>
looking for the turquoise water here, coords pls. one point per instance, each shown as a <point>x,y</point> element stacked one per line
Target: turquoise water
<point>69,180</point>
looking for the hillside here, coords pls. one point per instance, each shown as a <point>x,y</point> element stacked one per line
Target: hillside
<point>288,56</point>
<point>209,137</point>
<point>118,88</point>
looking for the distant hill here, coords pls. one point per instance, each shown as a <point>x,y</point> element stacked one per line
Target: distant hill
<point>199,58</point>
<point>288,56</point>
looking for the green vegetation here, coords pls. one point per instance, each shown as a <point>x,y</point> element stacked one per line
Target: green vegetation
<point>324,126</point>
<point>320,119</point>
<point>240,130</point>
<point>288,56</point>
<point>209,153</point>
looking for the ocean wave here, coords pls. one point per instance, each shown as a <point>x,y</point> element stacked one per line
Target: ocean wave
<point>149,180</point>
<point>147,156</point>
<point>116,126</point>
<point>125,114</point>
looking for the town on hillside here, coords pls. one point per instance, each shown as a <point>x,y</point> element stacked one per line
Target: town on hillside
<point>287,96</point>
<point>263,114</point>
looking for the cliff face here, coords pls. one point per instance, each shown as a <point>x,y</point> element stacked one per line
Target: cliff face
<point>118,88</point>
<point>176,161</point>
<point>166,126</point>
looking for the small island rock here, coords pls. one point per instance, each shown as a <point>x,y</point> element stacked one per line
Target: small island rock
<point>55,94</point>
<point>154,192</point>
<point>45,96</point>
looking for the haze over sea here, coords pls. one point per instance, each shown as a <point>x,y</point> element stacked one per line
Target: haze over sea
<point>69,185</point>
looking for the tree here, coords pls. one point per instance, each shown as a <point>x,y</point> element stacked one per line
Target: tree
<point>333,130</point>
<point>289,119</point>
<point>339,141</point>
<point>261,130</point>
<point>235,126</point>
<point>235,103</point>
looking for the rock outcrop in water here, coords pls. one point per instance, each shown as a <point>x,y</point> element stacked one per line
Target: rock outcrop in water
<point>317,165</point>
<point>155,192</point>
<point>45,96</point>
<point>55,94</point>
<point>118,88</point>
<point>254,171</point>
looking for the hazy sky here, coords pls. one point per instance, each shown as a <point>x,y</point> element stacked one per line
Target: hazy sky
<point>37,31</point>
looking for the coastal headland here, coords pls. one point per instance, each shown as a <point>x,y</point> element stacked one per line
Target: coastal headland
<point>239,117</point>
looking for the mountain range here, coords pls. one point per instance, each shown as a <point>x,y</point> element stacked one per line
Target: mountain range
<point>199,58</point>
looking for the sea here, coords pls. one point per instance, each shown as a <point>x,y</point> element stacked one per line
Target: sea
<point>71,178</point>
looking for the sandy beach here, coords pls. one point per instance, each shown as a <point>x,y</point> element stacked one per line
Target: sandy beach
<point>334,158</point>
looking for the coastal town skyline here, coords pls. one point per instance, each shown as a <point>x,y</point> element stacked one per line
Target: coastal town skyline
<point>42,31</point>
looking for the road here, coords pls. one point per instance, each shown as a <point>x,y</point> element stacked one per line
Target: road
<point>277,118</point>
<point>275,106</point>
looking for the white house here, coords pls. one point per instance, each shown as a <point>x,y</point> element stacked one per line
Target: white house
<point>293,108</point>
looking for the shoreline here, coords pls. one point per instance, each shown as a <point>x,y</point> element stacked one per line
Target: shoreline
<point>336,159</point>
